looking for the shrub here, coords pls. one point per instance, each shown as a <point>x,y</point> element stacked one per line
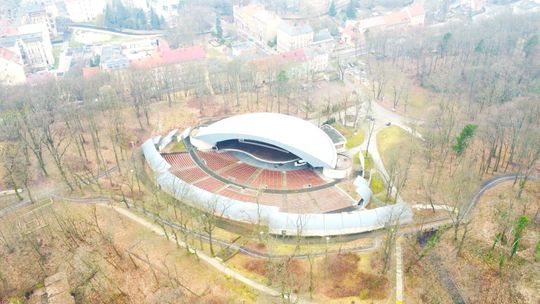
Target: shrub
<point>257,266</point>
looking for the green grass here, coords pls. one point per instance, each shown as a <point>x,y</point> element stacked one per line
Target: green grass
<point>56,54</point>
<point>353,139</point>
<point>367,161</point>
<point>178,147</point>
<point>392,138</point>
<point>377,183</point>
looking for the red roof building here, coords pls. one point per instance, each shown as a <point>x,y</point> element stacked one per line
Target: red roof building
<point>88,72</point>
<point>164,55</point>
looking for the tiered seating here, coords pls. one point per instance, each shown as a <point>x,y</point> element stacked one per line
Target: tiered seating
<point>301,203</point>
<point>240,173</point>
<point>179,160</point>
<point>268,179</point>
<point>191,174</point>
<point>210,184</point>
<point>331,199</point>
<point>303,178</point>
<point>271,199</point>
<point>237,195</point>
<point>216,161</point>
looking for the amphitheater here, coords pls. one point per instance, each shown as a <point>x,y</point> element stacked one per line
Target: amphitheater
<point>268,169</point>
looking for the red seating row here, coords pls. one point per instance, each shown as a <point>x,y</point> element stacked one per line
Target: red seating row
<point>237,195</point>
<point>191,174</point>
<point>217,161</point>
<point>179,160</point>
<point>302,179</point>
<point>240,173</point>
<point>210,184</point>
<point>268,179</point>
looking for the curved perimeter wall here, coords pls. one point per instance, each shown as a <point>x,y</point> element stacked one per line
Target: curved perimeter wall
<point>279,223</point>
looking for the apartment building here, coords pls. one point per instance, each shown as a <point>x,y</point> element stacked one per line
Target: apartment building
<point>33,45</point>
<point>256,23</point>
<point>84,10</point>
<point>293,37</point>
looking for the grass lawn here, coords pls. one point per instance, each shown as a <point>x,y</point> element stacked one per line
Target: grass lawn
<point>56,54</point>
<point>377,183</point>
<point>367,161</point>
<point>391,139</point>
<point>353,139</point>
<point>175,147</point>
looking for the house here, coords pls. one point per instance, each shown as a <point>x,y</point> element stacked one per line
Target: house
<point>84,10</point>
<point>351,35</point>
<point>256,23</point>
<point>293,37</point>
<point>11,68</point>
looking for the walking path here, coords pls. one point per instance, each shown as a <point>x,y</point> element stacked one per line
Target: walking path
<point>399,272</point>
<point>207,259</point>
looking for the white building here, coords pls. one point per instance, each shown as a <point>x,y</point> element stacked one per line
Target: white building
<point>84,10</point>
<point>316,60</point>
<point>36,13</point>
<point>33,45</point>
<point>256,23</point>
<point>11,68</point>
<point>293,37</point>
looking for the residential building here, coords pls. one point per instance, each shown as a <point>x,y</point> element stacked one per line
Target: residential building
<point>256,23</point>
<point>293,37</point>
<point>11,68</point>
<point>412,15</point>
<point>84,10</point>
<point>35,13</point>
<point>417,13</point>
<point>33,44</point>
<point>323,40</point>
<point>164,55</point>
<point>112,58</point>
<point>316,60</point>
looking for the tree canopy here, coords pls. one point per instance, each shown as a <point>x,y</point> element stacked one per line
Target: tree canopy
<point>118,16</point>
<point>332,10</point>
<point>462,141</point>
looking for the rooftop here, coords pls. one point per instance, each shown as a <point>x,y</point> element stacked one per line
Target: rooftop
<point>295,30</point>
<point>293,134</point>
<point>9,55</point>
<point>335,136</point>
<point>165,55</point>
<point>322,35</point>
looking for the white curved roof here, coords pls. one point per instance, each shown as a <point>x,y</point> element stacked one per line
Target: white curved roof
<point>293,134</point>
